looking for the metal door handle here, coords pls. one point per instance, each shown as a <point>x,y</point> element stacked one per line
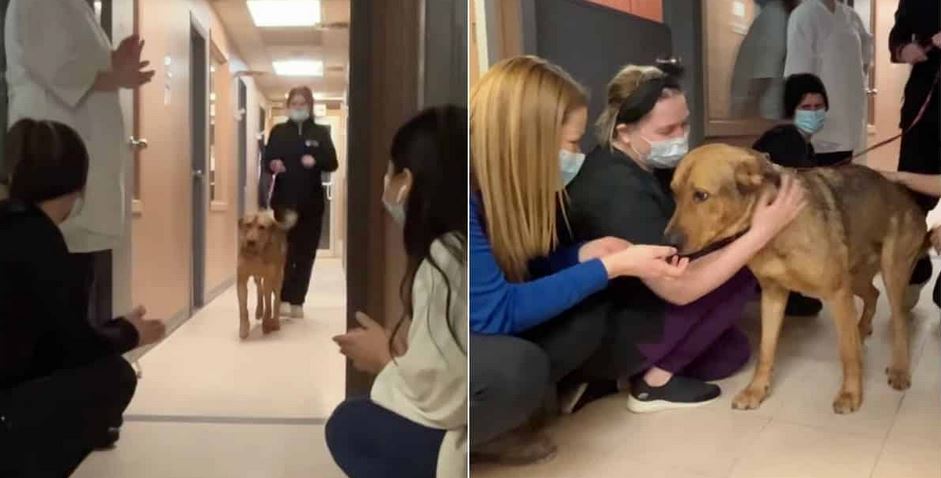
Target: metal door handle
<point>328,187</point>
<point>872,91</point>
<point>198,174</point>
<point>138,144</point>
<point>668,61</point>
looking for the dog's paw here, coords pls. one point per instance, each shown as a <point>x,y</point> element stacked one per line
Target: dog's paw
<point>269,326</point>
<point>865,330</point>
<point>750,398</point>
<point>847,402</point>
<point>259,314</point>
<point>243,331</point>
<point>899,379</point>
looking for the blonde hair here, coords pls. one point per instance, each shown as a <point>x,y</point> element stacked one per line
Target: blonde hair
<point>516,116</point>
<point>622,86</point>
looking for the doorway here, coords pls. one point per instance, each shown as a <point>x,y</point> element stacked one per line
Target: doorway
<point>199,90</point>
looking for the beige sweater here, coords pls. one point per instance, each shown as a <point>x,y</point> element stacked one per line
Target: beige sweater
<point>428,384</point>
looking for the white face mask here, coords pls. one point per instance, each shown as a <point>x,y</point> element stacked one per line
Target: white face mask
<point>299,115</point>
<point>395,209</point>
<point>667,154</point>
<point>569,165</point>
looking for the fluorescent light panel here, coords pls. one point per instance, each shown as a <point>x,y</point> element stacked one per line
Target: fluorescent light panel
<point>285,13</point>
<point>298,68</point>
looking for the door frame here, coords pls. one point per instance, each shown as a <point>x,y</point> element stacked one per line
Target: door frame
<point>199,150</point>
<point>242,156</point>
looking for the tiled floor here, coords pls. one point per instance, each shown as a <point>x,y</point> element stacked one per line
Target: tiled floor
<point>794,434</point>
<point>212,406</point>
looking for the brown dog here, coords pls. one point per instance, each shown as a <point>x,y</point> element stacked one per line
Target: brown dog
<point>855,225</point>
<point>262,251</point>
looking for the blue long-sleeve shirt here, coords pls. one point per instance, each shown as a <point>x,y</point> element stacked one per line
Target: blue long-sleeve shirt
<point>498,306</point>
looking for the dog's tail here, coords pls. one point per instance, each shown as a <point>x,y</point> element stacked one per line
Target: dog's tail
<point>289,220</point>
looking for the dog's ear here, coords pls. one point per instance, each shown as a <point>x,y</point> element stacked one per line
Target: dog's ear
<point>755,172</point>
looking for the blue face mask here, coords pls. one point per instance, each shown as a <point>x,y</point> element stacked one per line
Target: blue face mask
<point>569,165</point>
<point>810,121</point>
<point>668,153</point>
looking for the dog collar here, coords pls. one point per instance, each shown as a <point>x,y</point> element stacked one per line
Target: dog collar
<point>715,246</point>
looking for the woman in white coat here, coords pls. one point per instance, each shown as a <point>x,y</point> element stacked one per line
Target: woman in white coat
<point>61,67</point>
<point>827,38</point>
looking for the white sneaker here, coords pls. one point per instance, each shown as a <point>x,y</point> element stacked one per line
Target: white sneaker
<point>285,310</point>
<point>297,311</point>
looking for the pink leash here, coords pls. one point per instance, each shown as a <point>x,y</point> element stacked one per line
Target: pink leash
<point>274,177</point>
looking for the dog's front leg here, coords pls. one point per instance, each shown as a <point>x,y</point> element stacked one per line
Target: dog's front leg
<point>850,396</point>
<point>773,301</point>
<point>260,304</point>
<point>242,290</point>
<point>269,324</point>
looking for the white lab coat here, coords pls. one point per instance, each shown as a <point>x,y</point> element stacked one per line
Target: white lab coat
<point>837,48</point>
<point>428,384</point>
<point>55,50</point>
<point>761,56</point>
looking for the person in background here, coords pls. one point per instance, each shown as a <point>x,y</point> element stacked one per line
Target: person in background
<point>61,67</point>
<point>298,152</point>
<point>828,39</point>
<point>668,338</point>
<point>534,314</point>
<point>758,75</point>
<point>63,382</point>
<point>915,39</point>
<point>790,145</point>
<point>414,423</point>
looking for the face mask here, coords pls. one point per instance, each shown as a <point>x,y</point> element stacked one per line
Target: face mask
<point>299,115</point>
<point>810,121</point>
<point>395,209</point>
<point>569,164</point>
<point>668,153</point>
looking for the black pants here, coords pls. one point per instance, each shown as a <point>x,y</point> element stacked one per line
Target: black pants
<point>513,377</point>
<point>919,153</point>
<point>93,272</point>
<point>49,425</point>
<point>303,241</point>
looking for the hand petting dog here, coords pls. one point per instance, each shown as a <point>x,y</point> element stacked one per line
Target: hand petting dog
<point>366,346</point>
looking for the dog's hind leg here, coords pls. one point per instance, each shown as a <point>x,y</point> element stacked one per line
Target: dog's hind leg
<point>844,315</point>
<point>773,301</point>
<point>242,290</point>
<point>260,305</point>
<point>898,261</point>
<point>864,289</point>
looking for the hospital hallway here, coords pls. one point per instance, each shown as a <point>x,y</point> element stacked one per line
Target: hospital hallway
<point>210,405</point>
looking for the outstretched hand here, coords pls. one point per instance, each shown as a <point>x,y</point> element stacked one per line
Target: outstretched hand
<point>366,346</point>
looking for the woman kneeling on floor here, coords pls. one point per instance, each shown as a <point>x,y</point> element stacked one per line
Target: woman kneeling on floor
<point>414,423</point>
<point>667,338</point>
<point>63,383</point>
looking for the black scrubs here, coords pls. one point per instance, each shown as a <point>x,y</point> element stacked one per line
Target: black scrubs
<point>920,151</point>
<point>63,382</point>
<point>301,190</point>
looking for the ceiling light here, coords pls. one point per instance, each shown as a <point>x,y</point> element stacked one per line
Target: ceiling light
<point>285,13</point>
<point>299,68</point>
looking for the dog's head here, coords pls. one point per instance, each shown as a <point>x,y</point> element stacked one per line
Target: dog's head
<point>716,188</point>
<point>256,231</point>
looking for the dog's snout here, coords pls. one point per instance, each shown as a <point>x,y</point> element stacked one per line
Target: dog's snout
<point>674,238</point>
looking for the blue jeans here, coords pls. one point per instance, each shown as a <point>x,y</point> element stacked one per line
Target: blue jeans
<point>368,441</point>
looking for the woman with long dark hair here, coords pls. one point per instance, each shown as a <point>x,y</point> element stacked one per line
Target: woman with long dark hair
<point>298,151</point>
<point>415,421</point>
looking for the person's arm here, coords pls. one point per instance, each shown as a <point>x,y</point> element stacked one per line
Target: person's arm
<point>867,49</point>
<point>929,184</point>
<point>273,149</point>
<point>801,43</point>
<point>325,154</point>
<point>79,341</point>
<point>498,306</point>
<point>901,33</point>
